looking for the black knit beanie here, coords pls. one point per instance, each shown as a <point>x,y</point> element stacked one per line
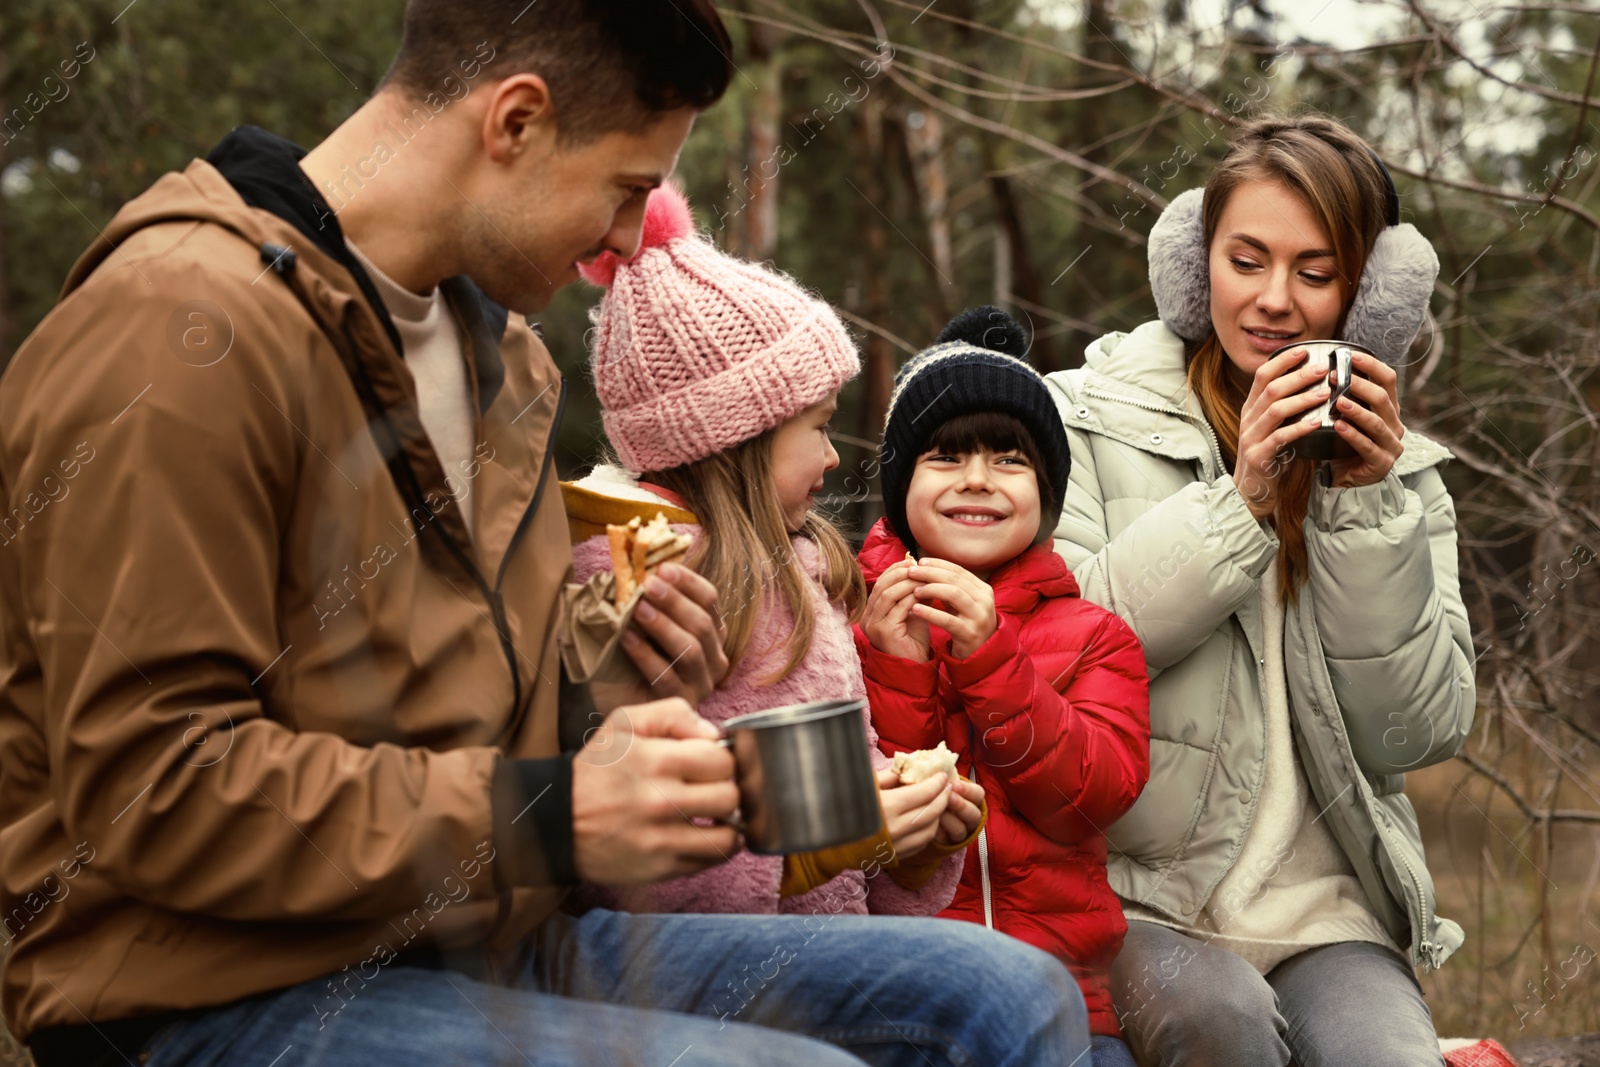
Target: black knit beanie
<point>975,365</point>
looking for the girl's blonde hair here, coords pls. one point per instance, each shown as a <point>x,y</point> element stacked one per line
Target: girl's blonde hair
<point>746,553</point>
<point>1336,175</point>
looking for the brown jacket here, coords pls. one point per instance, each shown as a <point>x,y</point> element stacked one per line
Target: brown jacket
<point>254,679</point>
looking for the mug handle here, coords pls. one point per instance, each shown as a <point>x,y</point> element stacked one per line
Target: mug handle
<point>1342,373</point>
<point>736,823</point>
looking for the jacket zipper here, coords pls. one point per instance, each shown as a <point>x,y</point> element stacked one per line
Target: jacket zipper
<point>502,626</point>
<point>538,493</point>
<point>1427,950</point>
<point>983,872</point>
<point>1159,409</point>
<point>983,860</point>
<point>496,597</point>
<point>1216,445</point>
<point>413,493</point>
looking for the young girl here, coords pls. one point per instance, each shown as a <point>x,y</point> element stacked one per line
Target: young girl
<point>974,635</point>
<point>718,378</point>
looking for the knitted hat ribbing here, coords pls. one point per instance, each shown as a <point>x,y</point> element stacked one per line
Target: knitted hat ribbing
<point>695,351</point>
<point>960,375</point>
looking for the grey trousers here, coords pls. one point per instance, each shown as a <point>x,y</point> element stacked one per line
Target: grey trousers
<point>1184,1002</point>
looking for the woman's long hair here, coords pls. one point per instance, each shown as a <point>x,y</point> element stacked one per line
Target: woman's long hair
<point>1338,178</point>
<point>745,550</point>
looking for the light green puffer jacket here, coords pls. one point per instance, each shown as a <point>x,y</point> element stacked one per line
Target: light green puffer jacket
<point>1378,649</point>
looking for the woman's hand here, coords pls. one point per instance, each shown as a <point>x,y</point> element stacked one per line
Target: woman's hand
<point>962,816</point>
<point>912,813</point>
<point>1270,422</point>
<point>888,622</point>
<point>1373,431</point>
<point>968,616</point>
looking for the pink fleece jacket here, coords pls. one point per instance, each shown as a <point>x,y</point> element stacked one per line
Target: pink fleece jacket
<point>748,883</point>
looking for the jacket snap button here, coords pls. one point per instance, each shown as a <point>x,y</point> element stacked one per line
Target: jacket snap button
<point>1155,439</point>
<point>1247,796</point>
<point>1083,413</point>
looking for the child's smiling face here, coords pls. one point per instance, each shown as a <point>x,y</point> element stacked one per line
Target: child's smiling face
<point>801,454</point>
<point>976,509</point>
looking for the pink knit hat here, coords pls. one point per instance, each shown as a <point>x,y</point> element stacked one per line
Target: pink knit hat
<point>695,351</point>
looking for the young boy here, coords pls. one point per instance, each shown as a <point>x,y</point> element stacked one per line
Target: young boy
<point>974,635</point>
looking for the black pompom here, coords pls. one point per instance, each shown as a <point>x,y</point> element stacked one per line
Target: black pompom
<point>987,327</point>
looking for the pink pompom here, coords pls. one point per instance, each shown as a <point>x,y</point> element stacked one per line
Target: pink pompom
<point>666,218</point>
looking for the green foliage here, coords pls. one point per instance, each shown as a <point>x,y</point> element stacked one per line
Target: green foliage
<point>168,79</point>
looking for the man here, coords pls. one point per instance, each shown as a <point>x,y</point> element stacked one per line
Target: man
<point>283,776</point>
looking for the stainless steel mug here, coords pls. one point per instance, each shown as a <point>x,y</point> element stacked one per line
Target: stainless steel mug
<point>1324,442</point>
<point>805,776</point>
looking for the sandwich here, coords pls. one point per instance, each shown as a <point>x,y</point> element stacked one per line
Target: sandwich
<point>914,767</point>
<point>637,549</point>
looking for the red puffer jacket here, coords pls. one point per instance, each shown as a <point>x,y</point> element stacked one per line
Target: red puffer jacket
<point>1052,717</point>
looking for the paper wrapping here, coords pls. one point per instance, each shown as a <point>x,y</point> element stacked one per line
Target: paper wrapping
<point>591,632</point>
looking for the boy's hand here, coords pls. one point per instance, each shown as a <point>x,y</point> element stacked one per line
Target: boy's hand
<point>888,622</point>
<point>912,813</point>
<point>963,814</point>
<point>968,602</point>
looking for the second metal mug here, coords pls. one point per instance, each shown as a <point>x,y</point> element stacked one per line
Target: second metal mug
<point>805,776</point>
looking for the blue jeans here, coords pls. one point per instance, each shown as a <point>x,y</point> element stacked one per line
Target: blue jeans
<point>1185,1002</point>
<point>1111,1052</point>
<point>672,991</point>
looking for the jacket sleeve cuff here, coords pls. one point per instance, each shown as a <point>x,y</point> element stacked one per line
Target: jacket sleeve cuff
<point>805,871</point>
<point>915,873</point>
<point>985,660</point>
<point>1358,507</point>
<point>894,672</point>
<point>1250,541</point>
<point>532,808</point>
<point>802,872</point>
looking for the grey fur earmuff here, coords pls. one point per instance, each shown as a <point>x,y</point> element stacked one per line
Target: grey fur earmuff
<point>1391,300</point>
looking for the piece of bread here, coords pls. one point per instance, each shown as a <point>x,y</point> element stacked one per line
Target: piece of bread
<point>913,767</point>
<point>621,562</point>
<point>641,549</point>
<point>637,549</point>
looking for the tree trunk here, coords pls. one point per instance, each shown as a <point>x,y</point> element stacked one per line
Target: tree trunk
<point>1002,267</point>
<point>878,372</point>
<point>1024,277</point>
<point>761,171</point>
<point>939,294</point>
<point>925,148</point>
<point>5,244</point>
<point>1095,118</point>
<point>731,224</point>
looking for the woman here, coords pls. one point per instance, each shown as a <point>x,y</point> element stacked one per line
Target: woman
<point>1304,628</point>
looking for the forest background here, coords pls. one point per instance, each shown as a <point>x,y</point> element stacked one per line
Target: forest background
<point>909,159</point>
